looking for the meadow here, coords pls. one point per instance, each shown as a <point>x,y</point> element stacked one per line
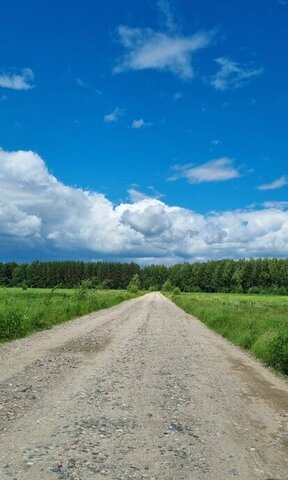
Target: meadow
<point>25,311</point>
<point>258,323</point>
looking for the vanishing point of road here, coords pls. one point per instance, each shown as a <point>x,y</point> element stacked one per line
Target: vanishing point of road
<point>139,391</point>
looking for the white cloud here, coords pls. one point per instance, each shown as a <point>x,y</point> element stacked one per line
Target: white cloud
<point>136,196</point>
<point>277,205</point>
<point>232,75</point>
<point>148,49</point>
<point>22,81</point>
<point>39,214</point>
<point>217,170</point>
<point>165,9</point>
<point>114,116</point>
<point>140,123</point>
<point>279,183</point>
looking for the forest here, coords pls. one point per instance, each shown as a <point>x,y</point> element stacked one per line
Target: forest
<point>238,276</point>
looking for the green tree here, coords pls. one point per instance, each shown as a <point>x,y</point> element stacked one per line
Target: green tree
<point>167,286</point>
<point>134,284</point>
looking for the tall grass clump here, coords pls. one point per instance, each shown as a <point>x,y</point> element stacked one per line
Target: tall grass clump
<point>258,324</point>
<point>30,310</point>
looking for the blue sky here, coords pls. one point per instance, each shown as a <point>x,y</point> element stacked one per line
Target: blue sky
<point>149,106</point>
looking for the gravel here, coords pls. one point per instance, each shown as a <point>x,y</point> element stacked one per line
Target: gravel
<point>139,391</point>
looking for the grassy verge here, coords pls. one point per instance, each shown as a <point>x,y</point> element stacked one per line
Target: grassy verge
<point>26,311</point>
<point>256,323</point>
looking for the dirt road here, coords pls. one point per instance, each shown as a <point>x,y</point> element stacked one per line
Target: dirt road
<point>139,391</point>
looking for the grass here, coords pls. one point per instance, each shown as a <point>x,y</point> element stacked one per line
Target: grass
<point>25,311</point>
<point>256,323</point>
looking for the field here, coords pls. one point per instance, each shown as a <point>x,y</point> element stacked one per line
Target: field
<point>254,322</point>
<point>26,311</point>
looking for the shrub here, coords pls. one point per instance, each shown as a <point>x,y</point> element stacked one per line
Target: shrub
<point>153,289</point>
<point>195,289</point>
<point>82,291</point>
<point>134,284</point>
<point>11,325</point>
<point>177,291</point>
<point>272,348</point>
<point>105,285</point>
<point>167,286</point>
<point>254,290</point>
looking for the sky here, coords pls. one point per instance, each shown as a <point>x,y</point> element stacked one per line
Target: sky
<point>143,130</point>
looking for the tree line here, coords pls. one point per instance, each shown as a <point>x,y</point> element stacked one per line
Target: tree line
<point>248,276</point>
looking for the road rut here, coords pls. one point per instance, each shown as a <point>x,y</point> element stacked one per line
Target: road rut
<point>139,391</point>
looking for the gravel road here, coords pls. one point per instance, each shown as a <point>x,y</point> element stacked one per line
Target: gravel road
<point>139,391</point>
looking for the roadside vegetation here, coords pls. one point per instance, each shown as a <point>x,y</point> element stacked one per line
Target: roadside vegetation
<point>261,276</point>
<point>251,310</point>
<point>253,322</point>
<point>23,311</point>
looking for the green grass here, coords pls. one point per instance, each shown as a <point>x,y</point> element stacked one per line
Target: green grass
<point>256,323</point>
<point>25,311</point>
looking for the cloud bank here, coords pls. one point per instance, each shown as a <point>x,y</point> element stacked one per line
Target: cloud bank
<point>40,216</point>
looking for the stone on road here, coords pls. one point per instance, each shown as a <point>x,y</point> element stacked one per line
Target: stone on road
<point>139,391</point>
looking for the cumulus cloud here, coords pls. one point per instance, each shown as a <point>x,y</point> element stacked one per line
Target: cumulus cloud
<point>148,49</point>
<point>232,75</point>
<point>20,81</point>
<point>114,116</point>
<point>217,170</point>
<point>39,214</point>
<point>279,183</point>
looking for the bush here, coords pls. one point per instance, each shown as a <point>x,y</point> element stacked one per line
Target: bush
<point>134,284</point>
<point>153,289</point>
<point>167,286</point>
<point>133,289</point>
<point>254,290</point>
<point>238,289</point>
<point>177,291</point>
<point>195,289</point>
<point>105,285</point>
<point>82,291</point>
<point>11,325</point>
<point>272,348</point>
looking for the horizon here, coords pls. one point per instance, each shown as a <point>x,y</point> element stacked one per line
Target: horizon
<point>153,133</point>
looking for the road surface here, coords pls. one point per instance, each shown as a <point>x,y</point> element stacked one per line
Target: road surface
<point>139,391</point>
